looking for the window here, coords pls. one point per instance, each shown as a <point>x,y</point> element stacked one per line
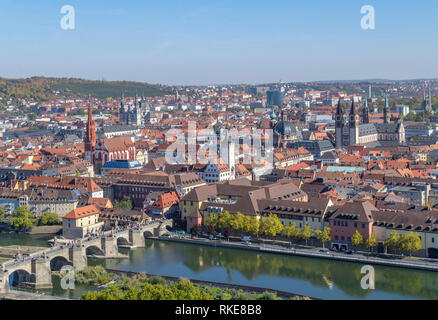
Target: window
<point>363,225</point>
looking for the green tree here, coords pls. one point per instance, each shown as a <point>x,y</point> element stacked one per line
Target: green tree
<point>224,220</point>
<point>212,220</point>
<point>324,235</point>
<point>125,203</point>
<point>291,231</point>
<point>371,242</point>
<point>357,240</point>
<point>2,214</point>
<point>393,242</point>
<point>22,219</point>
<point>238,221</point>
<point>410,243</point>
<point>306,233</point>
<point>271,226</point>
<point>253,225</point>
<point>49,219</point>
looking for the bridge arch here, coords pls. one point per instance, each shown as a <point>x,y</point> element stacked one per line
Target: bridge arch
<point>94,251</point>
<point>122,241</point>
<point>19,276</point>
<point>148,234</point>
<point>56,263</point>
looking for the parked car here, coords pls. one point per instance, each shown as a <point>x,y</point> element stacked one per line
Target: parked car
<point>324,251</point>
<point>349,252</point>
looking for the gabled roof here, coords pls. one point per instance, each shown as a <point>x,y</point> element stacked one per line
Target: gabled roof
<point>82,212</point>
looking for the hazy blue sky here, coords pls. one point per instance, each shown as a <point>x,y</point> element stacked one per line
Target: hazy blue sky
<point>219,41</point>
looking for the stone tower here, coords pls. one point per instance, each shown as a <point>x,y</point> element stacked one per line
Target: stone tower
<point>386,116</point>
<point>366,112</point>
<point>90,137</point>
<point>339,126</point>
<point>353,125</point>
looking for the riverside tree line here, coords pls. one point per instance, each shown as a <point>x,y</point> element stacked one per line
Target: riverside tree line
<point>23,219</point>
<point>271,226</point>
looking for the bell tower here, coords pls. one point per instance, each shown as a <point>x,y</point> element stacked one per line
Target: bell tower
<point>90,137</point>
<point>386,111</point>
<point>339,126</point>
<point>366,112</point>
<point>354,125</point>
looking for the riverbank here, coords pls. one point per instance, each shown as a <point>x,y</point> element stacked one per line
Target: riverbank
<point>280,294</point>
<point>23,295</point>
<point>36,230</point>
<point>312,253</point>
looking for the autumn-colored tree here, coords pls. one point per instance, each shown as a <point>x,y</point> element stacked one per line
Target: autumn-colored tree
<point>357,239</point>
<point>323,235</point>
<point>271,225</point>
<point>306,233</point>
<point>410,243</point>
<point>224,220</point>
<point>371,242</point>
<point>291,231</point>
<point>393,242</point>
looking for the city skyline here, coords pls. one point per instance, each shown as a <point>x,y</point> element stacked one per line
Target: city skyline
<point>220,42</point>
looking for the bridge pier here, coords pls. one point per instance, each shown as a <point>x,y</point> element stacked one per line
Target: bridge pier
<point>78,257</point>
<point>42,273</point>
<point>109,247</point>
<point>136,237</point>
<point>4,282</point>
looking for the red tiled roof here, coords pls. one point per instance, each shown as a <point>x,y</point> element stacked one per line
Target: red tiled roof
<point>82,212</point>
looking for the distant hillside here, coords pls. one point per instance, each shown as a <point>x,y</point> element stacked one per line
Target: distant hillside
<point>41,88</point>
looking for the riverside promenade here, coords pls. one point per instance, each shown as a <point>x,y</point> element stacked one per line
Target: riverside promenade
<point>409,263</point>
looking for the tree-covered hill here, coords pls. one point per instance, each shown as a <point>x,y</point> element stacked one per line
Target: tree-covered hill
<point>41,88</point>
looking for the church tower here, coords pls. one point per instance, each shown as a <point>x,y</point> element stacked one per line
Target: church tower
<point>231,159</point>
<point>429,101</point>
<point>273,118</point>
<point>90,137</point>
<point>283,115</point>
<point>386,116</point>
<point>123,111</point>
<point>339,126</point>
<point>354,125</point>
<point>366,112</point>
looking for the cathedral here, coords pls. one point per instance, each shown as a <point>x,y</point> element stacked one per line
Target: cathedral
<point>134,114</point>
<point>350,131</point>
<point>283,130</point>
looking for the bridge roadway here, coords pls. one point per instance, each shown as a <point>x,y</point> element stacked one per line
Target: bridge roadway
<point>35,269</point>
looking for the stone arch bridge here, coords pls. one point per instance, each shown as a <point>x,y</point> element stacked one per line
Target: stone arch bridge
<point>36,269</point>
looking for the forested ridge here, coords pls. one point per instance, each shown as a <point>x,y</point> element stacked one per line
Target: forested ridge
<point>42,88</point>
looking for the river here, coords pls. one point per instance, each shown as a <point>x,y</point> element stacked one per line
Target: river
<point>316,278</point>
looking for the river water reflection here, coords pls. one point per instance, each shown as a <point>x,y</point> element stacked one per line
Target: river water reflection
<point>317,278</point>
